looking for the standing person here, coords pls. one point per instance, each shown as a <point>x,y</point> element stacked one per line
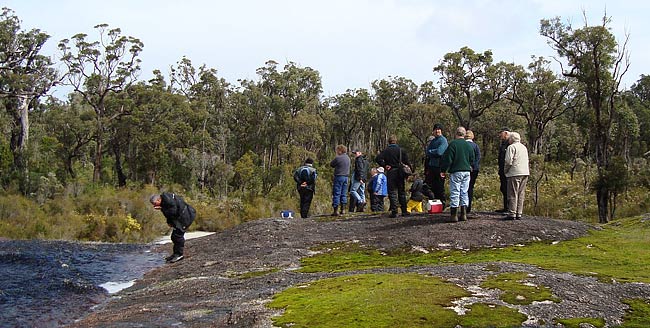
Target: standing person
<point>305,177</point>
<point>517,172</point>
<point>504,134</point>
<point>179,216</point>
<point>435,150</point>
<point>457,160</point>
<point>359,178</point>
<point>378,187</point>
<point>389,158</point>
<point>341,165</point>
<point>469,136</point>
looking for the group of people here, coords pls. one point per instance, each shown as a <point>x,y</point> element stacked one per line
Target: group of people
<point>457,160</point>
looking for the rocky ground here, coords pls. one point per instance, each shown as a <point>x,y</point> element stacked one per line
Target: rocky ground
<point>204,289</point>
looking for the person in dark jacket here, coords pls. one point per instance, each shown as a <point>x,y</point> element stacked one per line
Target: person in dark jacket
<point>305,177</point>
<point>389,158</point>
<point>179,216</point>
<point>341,165</point>
<point>504,136</point>
<point>359,178</point>
<point>433,175</point>
<point>419,190</point>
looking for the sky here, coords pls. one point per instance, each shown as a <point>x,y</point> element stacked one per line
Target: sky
<point>350,42</point>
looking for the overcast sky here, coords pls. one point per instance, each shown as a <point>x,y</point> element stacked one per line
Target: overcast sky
<point>351,43</point>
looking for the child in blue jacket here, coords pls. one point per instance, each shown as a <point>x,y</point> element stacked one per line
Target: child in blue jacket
<point>378,187</point>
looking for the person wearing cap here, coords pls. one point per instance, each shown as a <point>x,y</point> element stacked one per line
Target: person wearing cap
<point>469,136</point>
<point>359,178</point>
<point>457,160</point>
<point>341,165</point>
<point>504,134</point>
<point>391,159</point>
<point>378,188</point>
<point>517,171</point>
<point>305,177</point>
<point>433,175</point>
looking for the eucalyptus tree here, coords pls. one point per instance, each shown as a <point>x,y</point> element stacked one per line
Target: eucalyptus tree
<point>97,69</point>
<point>541,97</point>
<point>598,63</point>
<point>390,97</point>
<point>639,98</point>
<point>25,76</point>
<point>470,83</point>
<point>208,96</point>
<point>352,111</point>
<point>290,92</point>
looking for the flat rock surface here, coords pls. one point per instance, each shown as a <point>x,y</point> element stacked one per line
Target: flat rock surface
<point>206,290</point>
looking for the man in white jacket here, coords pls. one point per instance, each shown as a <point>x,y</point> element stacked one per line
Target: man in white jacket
<point>517,172</point>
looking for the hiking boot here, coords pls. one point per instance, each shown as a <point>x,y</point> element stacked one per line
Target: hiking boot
<point>353,204</point>
<point>463,214</point>
<point>175,258</point>
<point>336,211</point>
<point>454,214</point>
<point>518,217</point>
<point>169,257</point>
<point>342,210</point>
<point>360,207</point>
<point>393,215</point>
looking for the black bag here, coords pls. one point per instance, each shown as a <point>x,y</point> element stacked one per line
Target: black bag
<point>405,169</point>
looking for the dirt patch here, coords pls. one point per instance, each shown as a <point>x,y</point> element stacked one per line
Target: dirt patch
<point>204,289</point>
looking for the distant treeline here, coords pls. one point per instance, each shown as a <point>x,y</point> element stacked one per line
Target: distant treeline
<point>221,139</point>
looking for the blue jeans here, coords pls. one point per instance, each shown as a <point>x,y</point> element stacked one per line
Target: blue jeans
<point>358,191</point>
<point>339,190</point>
<point>458,187</point>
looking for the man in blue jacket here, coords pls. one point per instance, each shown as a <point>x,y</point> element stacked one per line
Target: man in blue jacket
<point>435,150</point>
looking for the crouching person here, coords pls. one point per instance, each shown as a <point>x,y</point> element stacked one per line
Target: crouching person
<point>179,216</point>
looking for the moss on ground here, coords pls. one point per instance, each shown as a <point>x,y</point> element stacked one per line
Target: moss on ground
<point>576,322</point>
<point>638,315</point>
<point>616,252</point>
<point>516,290</point>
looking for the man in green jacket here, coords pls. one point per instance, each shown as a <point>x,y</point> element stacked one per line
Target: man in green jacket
<point>457,160</point>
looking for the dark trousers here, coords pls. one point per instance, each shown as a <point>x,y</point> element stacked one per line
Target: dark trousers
<point>436,182</point>
<point>396,192</point>
<point>306,195</point>
<point>470,192</point>
<point>178,238</point>
<point>504,189</point>
<point>376,203</point>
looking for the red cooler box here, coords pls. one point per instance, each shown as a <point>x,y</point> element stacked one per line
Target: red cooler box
<point>433,206</point>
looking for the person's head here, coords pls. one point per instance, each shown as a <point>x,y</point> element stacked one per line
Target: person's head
<point>437,130</point>
<point>309,161</point>
<point>504,133</point>
<point>155,200</point>
<point>380,169</point>
<point>514,137</point>
<point>469,135</point>
<point>373,171</point>
<point>340,149</point>
<point>392,139</point>
<point>357,153</point>
<point>460,132</point>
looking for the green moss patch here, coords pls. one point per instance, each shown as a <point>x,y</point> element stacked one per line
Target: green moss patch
<point>638,315</point>
<point>484,315</point>
<point>618,251</point>
<point>575,322</point>
<point>369,300</point>
<point>516,290</point>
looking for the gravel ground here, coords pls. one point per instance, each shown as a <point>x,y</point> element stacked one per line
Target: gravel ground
<point>203,290</point>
